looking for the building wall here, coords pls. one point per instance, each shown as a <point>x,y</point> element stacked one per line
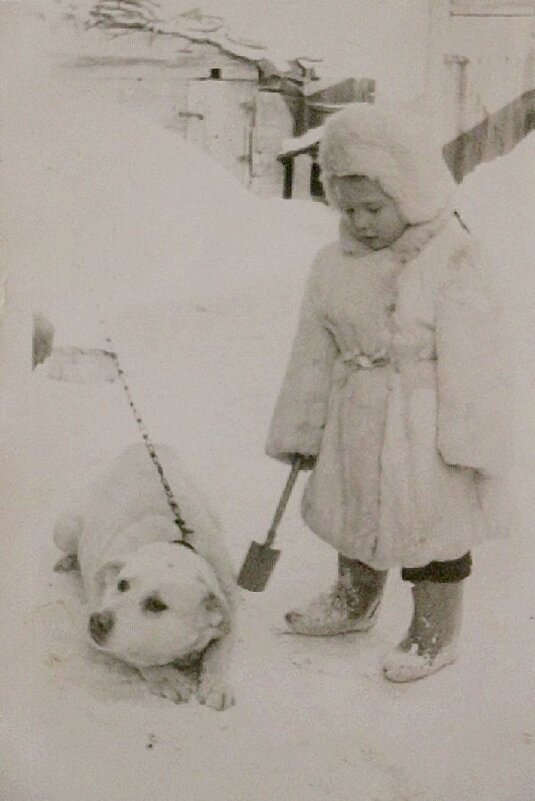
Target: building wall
<point>489,86</point>
<point>168,78</point>
<point>491,62</point>
<point>144,70</point>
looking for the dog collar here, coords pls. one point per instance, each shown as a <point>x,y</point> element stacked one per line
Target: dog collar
<point>193,659</point>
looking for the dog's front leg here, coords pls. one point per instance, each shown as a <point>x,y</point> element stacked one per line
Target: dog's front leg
<point>169,682</point>
<point>214,688</point>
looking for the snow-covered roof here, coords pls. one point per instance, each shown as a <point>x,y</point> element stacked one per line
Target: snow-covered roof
<point>333,40</point>
<point>202,24</point>
<point>296,145</point>
<point>348,41</point>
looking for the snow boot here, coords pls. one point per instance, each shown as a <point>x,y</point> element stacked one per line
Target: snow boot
<point>432,640</point>
<point>351,605</point>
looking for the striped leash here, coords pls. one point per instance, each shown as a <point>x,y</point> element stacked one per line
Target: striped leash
<point>179,520</point>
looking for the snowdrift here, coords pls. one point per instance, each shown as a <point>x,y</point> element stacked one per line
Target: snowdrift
<point>136,214</point>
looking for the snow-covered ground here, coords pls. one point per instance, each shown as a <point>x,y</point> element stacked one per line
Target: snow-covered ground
<point>198,283</point>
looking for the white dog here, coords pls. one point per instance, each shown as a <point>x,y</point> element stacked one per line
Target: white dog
<point>162,606</point>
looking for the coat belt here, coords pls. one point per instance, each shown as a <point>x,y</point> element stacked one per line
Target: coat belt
<point>359,361</point>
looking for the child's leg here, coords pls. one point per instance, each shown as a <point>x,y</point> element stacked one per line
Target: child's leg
<point>432,639</point>
<point>440,572</point>
<point>350,606</point>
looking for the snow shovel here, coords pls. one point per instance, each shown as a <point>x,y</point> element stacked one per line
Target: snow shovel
<point>261,558</point>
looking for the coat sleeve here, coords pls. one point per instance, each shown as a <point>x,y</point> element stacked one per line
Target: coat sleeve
<point>301,410</point>
<point>473,382</point>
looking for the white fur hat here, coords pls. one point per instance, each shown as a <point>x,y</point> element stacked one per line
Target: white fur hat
<point>394,147</point>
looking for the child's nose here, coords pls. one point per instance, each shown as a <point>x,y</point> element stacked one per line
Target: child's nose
<point>361,219</point>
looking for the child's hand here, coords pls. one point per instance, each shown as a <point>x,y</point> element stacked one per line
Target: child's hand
<point>43,338</point>
<point>307,461</point>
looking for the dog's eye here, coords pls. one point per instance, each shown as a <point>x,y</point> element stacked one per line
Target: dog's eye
<point>154,605</point>
<point>123,585</point>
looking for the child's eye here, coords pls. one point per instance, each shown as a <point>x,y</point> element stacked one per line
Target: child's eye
<point>349,211</point>
<point>374,209</point>
<point>154,604</point>
<point>123,585</point>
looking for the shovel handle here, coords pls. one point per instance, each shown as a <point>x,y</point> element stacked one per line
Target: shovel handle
<point>285,497</point>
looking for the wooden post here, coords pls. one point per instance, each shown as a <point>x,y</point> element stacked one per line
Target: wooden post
<point>438,46</point>
<point>288,178</point>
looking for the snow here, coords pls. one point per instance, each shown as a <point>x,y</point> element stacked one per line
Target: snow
<point>198,283</point>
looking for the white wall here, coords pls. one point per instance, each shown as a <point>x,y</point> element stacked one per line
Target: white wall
<point>490,62</point>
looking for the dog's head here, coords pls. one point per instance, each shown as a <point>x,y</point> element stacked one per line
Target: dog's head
<point>161,604</point>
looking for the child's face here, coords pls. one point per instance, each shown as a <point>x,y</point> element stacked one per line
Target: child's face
<point>373,217</point>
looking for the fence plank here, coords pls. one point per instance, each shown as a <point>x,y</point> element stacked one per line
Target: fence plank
<point>495,136</point>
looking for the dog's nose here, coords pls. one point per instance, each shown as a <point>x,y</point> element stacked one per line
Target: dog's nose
<point>100,625</point>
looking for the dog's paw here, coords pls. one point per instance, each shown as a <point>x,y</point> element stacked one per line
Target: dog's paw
<point>216,696</point>
<point>67,563</point>
<point>169,682</point>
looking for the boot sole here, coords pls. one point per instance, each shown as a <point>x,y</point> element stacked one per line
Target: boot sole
<point>326,633</point>
<point>419,669</point>
<point>366,623</point>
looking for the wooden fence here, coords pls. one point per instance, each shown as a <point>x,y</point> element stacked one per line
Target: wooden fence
<point>495,136</point>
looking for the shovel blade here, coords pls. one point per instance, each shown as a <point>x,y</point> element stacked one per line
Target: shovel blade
<point>81,365</point>
<point>257,567</point>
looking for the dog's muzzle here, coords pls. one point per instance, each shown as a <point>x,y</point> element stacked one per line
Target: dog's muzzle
<point>100,625</point>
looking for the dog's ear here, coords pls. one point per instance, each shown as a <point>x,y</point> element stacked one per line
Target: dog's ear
<point>107,574</point>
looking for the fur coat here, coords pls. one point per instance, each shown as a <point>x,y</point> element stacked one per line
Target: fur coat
<point>395,380</point>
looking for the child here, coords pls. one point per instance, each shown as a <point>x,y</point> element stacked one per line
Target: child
<point>392,391</point>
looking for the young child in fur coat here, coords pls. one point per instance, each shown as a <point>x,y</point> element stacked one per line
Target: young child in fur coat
<point>393,391</point>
